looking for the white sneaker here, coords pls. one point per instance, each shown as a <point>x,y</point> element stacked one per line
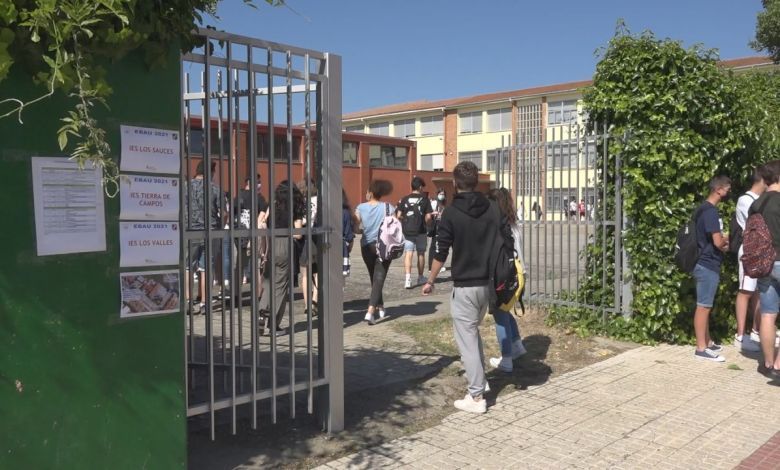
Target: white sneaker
<point>504,364</point>
<point>471,405</point>
<point>443,269</point>
<point>518,349</point>
<point>421,280</point>
<point>369,318</point>
<point>408,282</point>
<point>709,355</point>
<point>382,313</point>
<point>746,344</point>
<point>755,336</point>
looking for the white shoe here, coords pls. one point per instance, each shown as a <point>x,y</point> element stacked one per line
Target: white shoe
<point>755,336</point>
<point>746,344</point>
<point>369,318</point>
<point>382,313</point>
<point>472,406</point>
<point>518,349</point>
<point>504,364</point>
<point>443,269</point>
<point>421,280</point>
<point>408,283</point>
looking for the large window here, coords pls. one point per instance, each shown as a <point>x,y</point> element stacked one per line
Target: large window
<point>379,128</point>
<point>561,112</point>
<point>385,156</point>
<point>357,128</point>
<point>492,160</point>
<point>280,147</point>
<point>431,125</point>
<point>471,123</point>
<point>196,142</point>
<point>499,119</point>
<point>557,199</point>
<point>473,157</point>
<point>349,151</point>
<point>432,162</point>
<point>404,128</point>
<point>562,155</point>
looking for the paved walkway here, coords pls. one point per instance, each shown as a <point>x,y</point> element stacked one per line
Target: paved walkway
<point>651,407</point>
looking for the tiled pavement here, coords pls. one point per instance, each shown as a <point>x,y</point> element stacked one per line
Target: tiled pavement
<point>650,407</point>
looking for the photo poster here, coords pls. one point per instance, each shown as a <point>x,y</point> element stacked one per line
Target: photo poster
<point>148,197</point>
<point>68,207</point>
<point>149,150</point>
<point>149,293</point>
<point>148,244</point>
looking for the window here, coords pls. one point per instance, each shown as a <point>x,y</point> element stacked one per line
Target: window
<point>560,155</point>
<point>357,128</point>
<point>557,199</point>
<point>385,156</point>
<point>492,163</point>
<point>470,123</point>
<point>380,128</point>
<point>280,148</point>
<point>474,157</point>
<point>432,125</point>
<point>561,112</point>
<point>500,119</point>
<point>589,154</point>
<point>349,151</point>
<point>432,162</point>
<point>196,142</point>
<point>404,128</point>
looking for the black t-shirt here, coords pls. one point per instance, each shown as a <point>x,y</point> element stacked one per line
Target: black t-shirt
<point>243,207</point>
<point>413,209</point>
<point>771,213</point>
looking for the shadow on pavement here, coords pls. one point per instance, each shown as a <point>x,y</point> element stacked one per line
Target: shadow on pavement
<point>529,369</point>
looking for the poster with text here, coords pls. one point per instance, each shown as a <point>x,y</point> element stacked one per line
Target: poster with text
<point>149,150</point>
<point>69,210</point>
<point>148,243</point>
<point>145,197</point>
<point>149,293</point>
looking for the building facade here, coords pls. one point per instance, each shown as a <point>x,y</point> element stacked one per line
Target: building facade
<point>551,161</point>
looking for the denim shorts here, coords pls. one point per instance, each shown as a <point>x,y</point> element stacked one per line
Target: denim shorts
<point>416,243</point>
<point>769,289</point>
<point>707,282</point>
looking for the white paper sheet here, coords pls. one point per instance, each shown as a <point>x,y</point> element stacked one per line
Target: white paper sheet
<point>147,197</point>
<point>69,207</point>
<point>148,244</point>
<point>150,150</point>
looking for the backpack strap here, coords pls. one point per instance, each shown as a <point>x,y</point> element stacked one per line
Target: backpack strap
<point>387,209</point>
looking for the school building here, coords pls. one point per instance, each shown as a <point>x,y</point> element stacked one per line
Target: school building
<point>474,128</point>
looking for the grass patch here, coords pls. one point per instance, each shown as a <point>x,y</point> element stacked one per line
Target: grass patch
<point>436,336</point>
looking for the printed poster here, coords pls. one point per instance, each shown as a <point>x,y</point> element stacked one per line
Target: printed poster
<point>148,244</point>
<point>148,197</point>
<point>149,150</point>
<point>69,208</point>
<point>149,293</point>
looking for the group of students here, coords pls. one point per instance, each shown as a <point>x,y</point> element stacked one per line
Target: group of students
<point>757,299</point>
<point>463,228</point>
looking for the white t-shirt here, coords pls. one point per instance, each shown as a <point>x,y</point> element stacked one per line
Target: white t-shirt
<point>743,206</point>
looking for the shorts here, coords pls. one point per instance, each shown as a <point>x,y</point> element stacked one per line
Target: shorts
<point>769,289</point>
<point>707,282</point>
<point>416,243</point>
<point>304,259</point>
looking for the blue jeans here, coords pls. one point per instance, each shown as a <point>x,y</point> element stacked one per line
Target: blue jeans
<point>506,331</point>
<point>707,282</point>
<point>769,290</point>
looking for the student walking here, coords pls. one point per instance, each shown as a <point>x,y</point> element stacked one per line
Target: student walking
<point>348,230</point>
<point>747,296</point>
<point>438,206</point>
<point>414,212</point>
<point>465,227</point>
<point>369,216</point>
<point>768,205</point>
<point>712,243</point>
<point>507,331</point>
<point>280,214</point>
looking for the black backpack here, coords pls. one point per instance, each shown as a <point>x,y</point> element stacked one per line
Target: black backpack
<point>507,274</point>
<point>735,232</point>
<point>686,250</point>
<point>413,221</point>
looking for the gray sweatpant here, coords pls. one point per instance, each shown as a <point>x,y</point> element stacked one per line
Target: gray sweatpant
<point>468,308</point>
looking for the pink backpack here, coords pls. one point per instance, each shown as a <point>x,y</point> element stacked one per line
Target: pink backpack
<point>390,240</point>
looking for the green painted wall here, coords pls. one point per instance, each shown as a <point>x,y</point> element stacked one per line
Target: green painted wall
<point>96,391</point>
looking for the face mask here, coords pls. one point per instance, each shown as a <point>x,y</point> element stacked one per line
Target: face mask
<point>440,197</point>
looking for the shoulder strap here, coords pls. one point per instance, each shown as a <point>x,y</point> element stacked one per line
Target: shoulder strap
<point>751,196</point>
<point>387,209</point>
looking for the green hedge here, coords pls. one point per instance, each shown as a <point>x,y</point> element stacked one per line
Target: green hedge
<point>677,119</point>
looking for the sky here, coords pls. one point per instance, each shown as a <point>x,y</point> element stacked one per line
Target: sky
<point>404,50</point>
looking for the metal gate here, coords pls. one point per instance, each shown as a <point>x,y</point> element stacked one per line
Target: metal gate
<point>568,189</point>
<point>257,114</point>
